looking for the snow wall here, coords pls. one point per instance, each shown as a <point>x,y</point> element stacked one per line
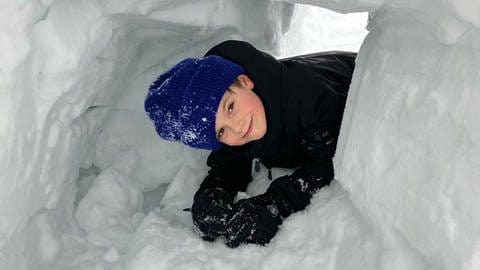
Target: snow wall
<point>409,149</point>
<point>66,66</point>
<point>408,152</point>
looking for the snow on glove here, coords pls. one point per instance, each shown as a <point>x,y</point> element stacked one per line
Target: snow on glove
<point>211,211</point>
<point>255,220</point>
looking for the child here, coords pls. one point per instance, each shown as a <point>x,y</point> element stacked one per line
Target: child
<point>248,107</point>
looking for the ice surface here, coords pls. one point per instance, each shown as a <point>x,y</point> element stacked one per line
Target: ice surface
<point>82,167</point>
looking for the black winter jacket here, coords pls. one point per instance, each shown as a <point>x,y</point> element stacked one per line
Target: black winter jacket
<point>304,99</point>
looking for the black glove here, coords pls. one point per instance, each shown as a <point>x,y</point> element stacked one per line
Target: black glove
<point>211,212</point>
<point>255,220</point>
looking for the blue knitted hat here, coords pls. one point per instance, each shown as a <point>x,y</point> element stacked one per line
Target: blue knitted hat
<point>183,101</point>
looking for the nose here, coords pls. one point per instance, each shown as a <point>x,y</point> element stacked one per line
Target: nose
<point>237,125</point>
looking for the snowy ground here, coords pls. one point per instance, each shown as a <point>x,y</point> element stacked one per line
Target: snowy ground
<point>87,184</point>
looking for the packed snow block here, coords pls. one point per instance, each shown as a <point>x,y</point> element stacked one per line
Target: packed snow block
<point>115,195</point>
<point>409,151</point>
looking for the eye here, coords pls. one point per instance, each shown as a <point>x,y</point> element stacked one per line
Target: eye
<point>230,107</point>
<point>220,133</point>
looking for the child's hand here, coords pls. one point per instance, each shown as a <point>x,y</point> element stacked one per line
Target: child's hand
<point>255,220</point>
<point>211,211</point>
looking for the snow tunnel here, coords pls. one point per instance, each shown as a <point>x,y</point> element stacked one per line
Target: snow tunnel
<point>87,184</point>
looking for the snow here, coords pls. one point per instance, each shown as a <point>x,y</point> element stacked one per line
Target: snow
<point>415,139</point>
<point>307,240</point>
<point>87,184</point>
<point>47,243</point>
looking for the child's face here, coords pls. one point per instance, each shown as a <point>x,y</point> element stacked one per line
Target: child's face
<point>240,116</point>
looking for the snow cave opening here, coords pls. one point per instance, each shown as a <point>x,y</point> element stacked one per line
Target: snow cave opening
<point>95,188</point>
<point>117,179</point>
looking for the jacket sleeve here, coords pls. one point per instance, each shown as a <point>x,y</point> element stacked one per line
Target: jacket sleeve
<point>229,171</point>
<point>293,192</point>
<point>319,138</point>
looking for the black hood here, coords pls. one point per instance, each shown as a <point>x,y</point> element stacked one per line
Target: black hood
<point>267,74</point>
<point>301,95</point>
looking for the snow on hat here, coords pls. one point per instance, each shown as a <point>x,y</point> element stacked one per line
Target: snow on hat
<point>183,102</point>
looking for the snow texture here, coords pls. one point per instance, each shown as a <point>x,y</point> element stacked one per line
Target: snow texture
<point>87,184</point>
<point>410,150</point>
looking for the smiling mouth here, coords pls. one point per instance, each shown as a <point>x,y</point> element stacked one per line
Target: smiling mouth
<point>250,127</point>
